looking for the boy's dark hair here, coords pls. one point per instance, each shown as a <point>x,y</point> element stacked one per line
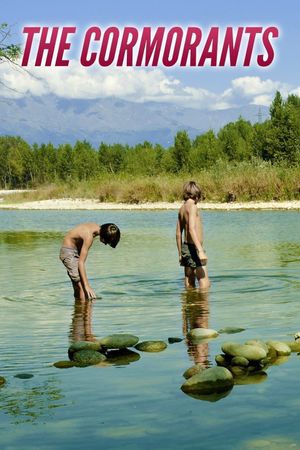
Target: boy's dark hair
<point>192,190</point>
<point>110,234</point>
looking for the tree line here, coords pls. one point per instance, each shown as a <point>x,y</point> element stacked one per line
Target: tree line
<point>276,140</point>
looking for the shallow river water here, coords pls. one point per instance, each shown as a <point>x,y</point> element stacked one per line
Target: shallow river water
<point>254,262</point>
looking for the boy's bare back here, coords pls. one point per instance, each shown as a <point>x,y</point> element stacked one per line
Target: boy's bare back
<point>82,233</point>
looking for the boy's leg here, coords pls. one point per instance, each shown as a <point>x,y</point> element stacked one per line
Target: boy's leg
<point>189,277</point>
<point>78,290</point>
<point>202,277</point>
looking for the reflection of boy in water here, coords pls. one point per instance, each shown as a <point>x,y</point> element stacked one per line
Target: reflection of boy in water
<point>191,254</point>
<point>74,251</point>
<point>195,314</point>
<point>81,326</point>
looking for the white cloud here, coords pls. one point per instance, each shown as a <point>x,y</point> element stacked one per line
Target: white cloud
<point>138,85</point>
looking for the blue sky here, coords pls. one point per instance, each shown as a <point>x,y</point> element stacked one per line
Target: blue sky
<point>207,85</point>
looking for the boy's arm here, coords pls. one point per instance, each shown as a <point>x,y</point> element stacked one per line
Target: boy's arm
<point>193,233</point>
<point>81,267</point>
<point>179,238</point>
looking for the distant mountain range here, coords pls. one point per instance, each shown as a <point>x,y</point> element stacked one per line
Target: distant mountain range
<point>58,120</point>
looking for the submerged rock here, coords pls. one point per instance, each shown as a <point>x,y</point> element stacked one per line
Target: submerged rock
<point>2,381</point>
<point>63,364</point>
<point>201,333</point>
<point>281,348</point>
<point>24,376</point>
<point>174,340</point>
<point>119,341</point>
<point>214,379</point>
<point>122,357</point>
<point>85,358</point>
<point>250,378</point>
<point>249,351</point>
<point>197,368</point>
<point>231,330</point>
<point>151,346</point>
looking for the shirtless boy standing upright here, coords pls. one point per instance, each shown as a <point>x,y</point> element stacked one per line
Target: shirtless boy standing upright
<point>74,251</point>
<point>191,254</point>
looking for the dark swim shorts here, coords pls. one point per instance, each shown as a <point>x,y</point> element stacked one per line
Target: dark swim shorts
<point>70,258</point>
<point>189,256</point>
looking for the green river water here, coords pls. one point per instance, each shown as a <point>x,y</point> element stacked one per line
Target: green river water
<point>254,266</point>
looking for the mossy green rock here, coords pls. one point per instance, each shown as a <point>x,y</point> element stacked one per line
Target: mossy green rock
<point>85,358</point>
<point>119,341</point>
<point>258,342</point>
<point>197,334</point>
<point>122,357</point>
<point>2,381</point>
<point>191,371</point>
<point>239,361</point>
<point>281,348</point>
<point>221,360</point>
<point>214,379</point>
<point>63,364</point>
<point>248,351</point>
<point>151,346</point>
<point>85,345</point>
<point>294,346</point>
<point>24,376</point>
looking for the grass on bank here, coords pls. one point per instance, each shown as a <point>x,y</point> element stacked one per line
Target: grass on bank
<point>246,181</point>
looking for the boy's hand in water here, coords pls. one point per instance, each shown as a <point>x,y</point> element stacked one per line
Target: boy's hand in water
<point>90,293</point>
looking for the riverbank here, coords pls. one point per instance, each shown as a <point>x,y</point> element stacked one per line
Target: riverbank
<point>87,204</point>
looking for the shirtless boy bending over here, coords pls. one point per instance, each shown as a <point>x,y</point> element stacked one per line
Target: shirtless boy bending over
<point>191,254</point>
<point>74,251</point>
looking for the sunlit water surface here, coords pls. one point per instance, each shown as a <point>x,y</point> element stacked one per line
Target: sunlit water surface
<point>254,262</point>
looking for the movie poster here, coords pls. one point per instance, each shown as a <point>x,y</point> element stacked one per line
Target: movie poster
<point>149,225</point>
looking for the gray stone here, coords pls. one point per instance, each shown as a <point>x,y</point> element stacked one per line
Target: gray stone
<point>248,351</point>
<point>85,358</point>
<point>197,334</point>
<point>262,344</point>
<point>294,346</point>
<point>151,346</point>
<point>114,341</point>
<point>214,379</point>
<point>231,330</point>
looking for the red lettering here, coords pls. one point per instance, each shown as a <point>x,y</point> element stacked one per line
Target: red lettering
<point>31,31</point>
<point>113,34</point>
<point>167,60</point>
<point>63,46</point>
<point>210,50</point>
<point>253,31</point>
<point>84,59</point>
<point>191,46</point>
<point>147,47</point>
<point>231,45</point>
<point>268,46</point>
<point>127,45</point>
<point>45,46</point>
